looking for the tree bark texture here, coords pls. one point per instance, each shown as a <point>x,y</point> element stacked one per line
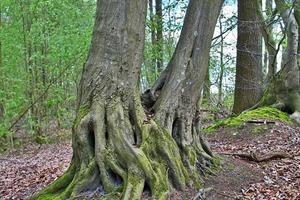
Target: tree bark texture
<point>116,146</point>
<point>182,81</point>
<point>249,77</point>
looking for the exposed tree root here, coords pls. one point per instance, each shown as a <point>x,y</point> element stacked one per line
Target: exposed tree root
<point>117,150</point>
<point>259,158</point>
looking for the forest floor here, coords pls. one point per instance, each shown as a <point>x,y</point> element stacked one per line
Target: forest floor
<point>270,179</point>
<point>26,170</point>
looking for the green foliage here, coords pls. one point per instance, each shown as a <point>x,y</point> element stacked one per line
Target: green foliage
<point>267,113</point>
<point>43,43</point>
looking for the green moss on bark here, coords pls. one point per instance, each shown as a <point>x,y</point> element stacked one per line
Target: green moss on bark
<point>82,111</point>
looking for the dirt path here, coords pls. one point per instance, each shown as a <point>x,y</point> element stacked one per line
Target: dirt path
<point>23,172</point>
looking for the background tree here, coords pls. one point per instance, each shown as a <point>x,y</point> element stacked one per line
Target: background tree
<point>249,77</point>
<point>1,73</point>
<point>221,52</point>
<point>153,58</point>
<point>159,34</point>
<point>206,100</point>
<point>113,140</point>
<point>284,89</point>
<point>266,28</point>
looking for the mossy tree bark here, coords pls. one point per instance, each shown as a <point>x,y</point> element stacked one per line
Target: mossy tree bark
<point>249,77</point>
<point>116,146</point>
<point>180,88</point>
<point>284,89</point>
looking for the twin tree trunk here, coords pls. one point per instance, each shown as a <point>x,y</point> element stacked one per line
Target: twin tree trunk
<point>116,146</point>
<point>249,77</point>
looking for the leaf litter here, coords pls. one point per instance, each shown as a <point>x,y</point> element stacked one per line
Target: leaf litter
<point>25,171</point>
<point>280,179</point>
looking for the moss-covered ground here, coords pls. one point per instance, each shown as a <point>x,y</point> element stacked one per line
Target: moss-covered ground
<point>264,113</point>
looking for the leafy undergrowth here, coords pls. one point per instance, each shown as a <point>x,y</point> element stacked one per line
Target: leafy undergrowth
<point>279,179</point>
<point>23,172</point>
<point>264,113</point>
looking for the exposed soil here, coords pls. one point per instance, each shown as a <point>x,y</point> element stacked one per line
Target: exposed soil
<point>233,175</point>
<point>25,171</point>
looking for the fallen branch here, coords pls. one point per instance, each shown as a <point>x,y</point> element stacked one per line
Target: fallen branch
<point>259,158</point>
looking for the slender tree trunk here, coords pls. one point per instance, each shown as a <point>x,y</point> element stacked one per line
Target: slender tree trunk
<point>269,41</point>
<point>206,89</point>
<point>153,64</point>
<point>270,44</point>
<point>220,83</point>
<point>1,73</point>
<point>28,60</point>
<point>248,83</point>
<point>42,65</point>
<point>152,26</point>
<point>159,35</point>
<point>169,49</point>
<point>116,146</point>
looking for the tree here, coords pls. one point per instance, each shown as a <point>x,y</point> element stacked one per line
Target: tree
<point>1,72</point>
<point>206,99</point>
<point>220,82</point>
<point>153,59</point>
<point>283,91</point>
<point>249,79</point>
<point>159,34</point>
<point>269,40</point>
<point>114,142</point>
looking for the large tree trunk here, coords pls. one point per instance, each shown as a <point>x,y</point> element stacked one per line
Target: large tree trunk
<point>180,84</point>
<point>249,77</point>
<point>284,89</point>
<point>116,146</point>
